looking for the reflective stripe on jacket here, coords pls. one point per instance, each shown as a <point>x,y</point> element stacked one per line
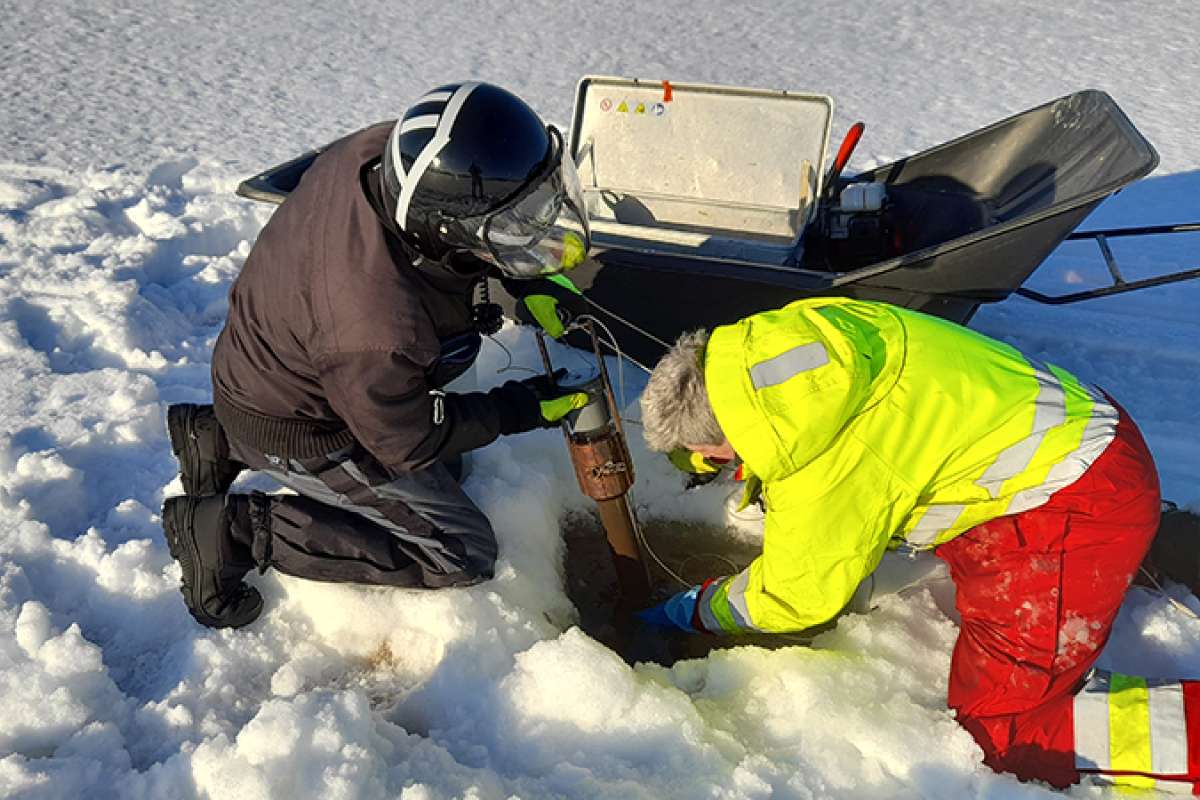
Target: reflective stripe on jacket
<point>1138,728</point>
<point>870,424</point>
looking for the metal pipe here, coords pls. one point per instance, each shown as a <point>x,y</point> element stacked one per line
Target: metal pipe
<point>613,411</point>
<point>1110,260</point>
<point>620,527</point>
<point>1144,230</point>
<point>1106,291</point>
<point>604,469</point>
<point>541,343</point>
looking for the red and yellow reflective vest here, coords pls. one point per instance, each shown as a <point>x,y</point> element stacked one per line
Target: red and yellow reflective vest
<point>871,425</point>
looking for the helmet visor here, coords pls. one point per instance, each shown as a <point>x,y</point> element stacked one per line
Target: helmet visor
<point>542,231</point>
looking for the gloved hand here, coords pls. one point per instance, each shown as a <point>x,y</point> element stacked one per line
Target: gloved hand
<point>553,402</point>
<point>752,493</point>
<point>678,611</point>
<point>534,403</point>
<point>544,310</point>
<point>698,469</point>
<point>691,462</point>
<point>555,409</point>
<point>544,386</point>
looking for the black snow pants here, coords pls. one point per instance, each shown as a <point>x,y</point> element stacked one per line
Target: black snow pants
<point>353,522</point>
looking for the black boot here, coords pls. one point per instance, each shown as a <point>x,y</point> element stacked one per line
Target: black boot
<point>201,535</point>
<point>1175,551</point>
<point>203,452</point>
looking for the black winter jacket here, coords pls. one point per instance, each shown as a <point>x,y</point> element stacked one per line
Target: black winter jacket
<point>338,332</point>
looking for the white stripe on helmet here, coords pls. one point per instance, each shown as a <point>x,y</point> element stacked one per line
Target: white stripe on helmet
<point>441,138</point>
<point>394,147</point>
<point>419,123</point>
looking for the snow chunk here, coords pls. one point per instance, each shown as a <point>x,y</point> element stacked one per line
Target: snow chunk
<point>320,745</point>
<point>571,703</point>
<point>33,627</point>
<point>155,224</point>
<point>53,685</point>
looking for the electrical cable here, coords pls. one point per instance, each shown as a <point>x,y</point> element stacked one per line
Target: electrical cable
<point>578,324</point>
<point>610,341</point>
<point>1163,592</point>
<point>613,345</point>
<point>510,366</point>
<point>627,323</point>
<point>732,566</point>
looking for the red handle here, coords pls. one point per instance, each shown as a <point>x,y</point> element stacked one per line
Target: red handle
<point>848,144</point>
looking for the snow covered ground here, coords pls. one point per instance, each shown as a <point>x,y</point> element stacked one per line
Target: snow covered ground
<point>126,126</point>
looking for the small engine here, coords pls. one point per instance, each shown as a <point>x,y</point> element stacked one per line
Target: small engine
<point>857,229</point>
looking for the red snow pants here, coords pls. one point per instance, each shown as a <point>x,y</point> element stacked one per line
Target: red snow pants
<point>1038,593</point>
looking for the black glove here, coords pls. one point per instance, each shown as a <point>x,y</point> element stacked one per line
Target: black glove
<point>520,403</point>
<point>543,386</point>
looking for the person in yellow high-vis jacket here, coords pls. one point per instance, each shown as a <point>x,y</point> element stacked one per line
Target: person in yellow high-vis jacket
<point>870,426</point>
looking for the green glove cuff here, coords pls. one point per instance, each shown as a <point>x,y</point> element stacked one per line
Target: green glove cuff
<point>562,280</point>
<point>544,310</point>
<point>559,407</point>
<point>692,462</point>
<point>751,493</point>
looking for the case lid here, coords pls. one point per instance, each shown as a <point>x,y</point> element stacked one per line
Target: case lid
<point>694,160</point>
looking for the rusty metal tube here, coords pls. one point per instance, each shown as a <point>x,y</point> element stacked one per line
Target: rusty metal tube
<point>604,470</point>
<point>620,527</point>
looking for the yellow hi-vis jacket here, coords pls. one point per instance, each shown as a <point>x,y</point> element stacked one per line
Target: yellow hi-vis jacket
<point>872,425</point>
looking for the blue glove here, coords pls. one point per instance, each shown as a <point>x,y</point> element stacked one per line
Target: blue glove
<point>677,611</point>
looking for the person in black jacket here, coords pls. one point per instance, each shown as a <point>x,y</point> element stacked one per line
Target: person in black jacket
<point>353,311</point>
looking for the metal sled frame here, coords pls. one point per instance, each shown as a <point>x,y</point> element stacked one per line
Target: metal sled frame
<point>1119,284</point>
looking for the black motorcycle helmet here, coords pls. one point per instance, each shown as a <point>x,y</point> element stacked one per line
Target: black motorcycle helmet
<point>471,168</point>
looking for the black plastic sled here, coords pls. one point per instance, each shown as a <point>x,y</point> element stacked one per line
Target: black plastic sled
<point>709,203</point>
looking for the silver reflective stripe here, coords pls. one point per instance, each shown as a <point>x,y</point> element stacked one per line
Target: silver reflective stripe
<point>860,601</point>
<point>737,600</point>
<point>799,359</point>
<point>1173,787</point>
<point>1091,724</point>
<point>432,547</point>
<point>441,138</point>
<point>1168,730</point>
<point>354,472</point>
<point>704,601</point>
<point>418,123</point>
<point>934,521</point>
<point>1100,429</point>
<point>1050,410</point>
<point>434,97</point>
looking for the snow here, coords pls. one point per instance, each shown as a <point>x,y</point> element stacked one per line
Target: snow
<point>128,124</point>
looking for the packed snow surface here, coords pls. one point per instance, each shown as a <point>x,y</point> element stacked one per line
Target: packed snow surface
<point>126,126</point>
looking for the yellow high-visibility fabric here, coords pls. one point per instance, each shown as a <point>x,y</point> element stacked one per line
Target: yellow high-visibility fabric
<point>869,424</point>
<point>1129,728</point>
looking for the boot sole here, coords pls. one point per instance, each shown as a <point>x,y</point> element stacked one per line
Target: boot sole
<point>200,477</point>
<point>182,544</point>
<point>181,428</point>
<point>181,541</point>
